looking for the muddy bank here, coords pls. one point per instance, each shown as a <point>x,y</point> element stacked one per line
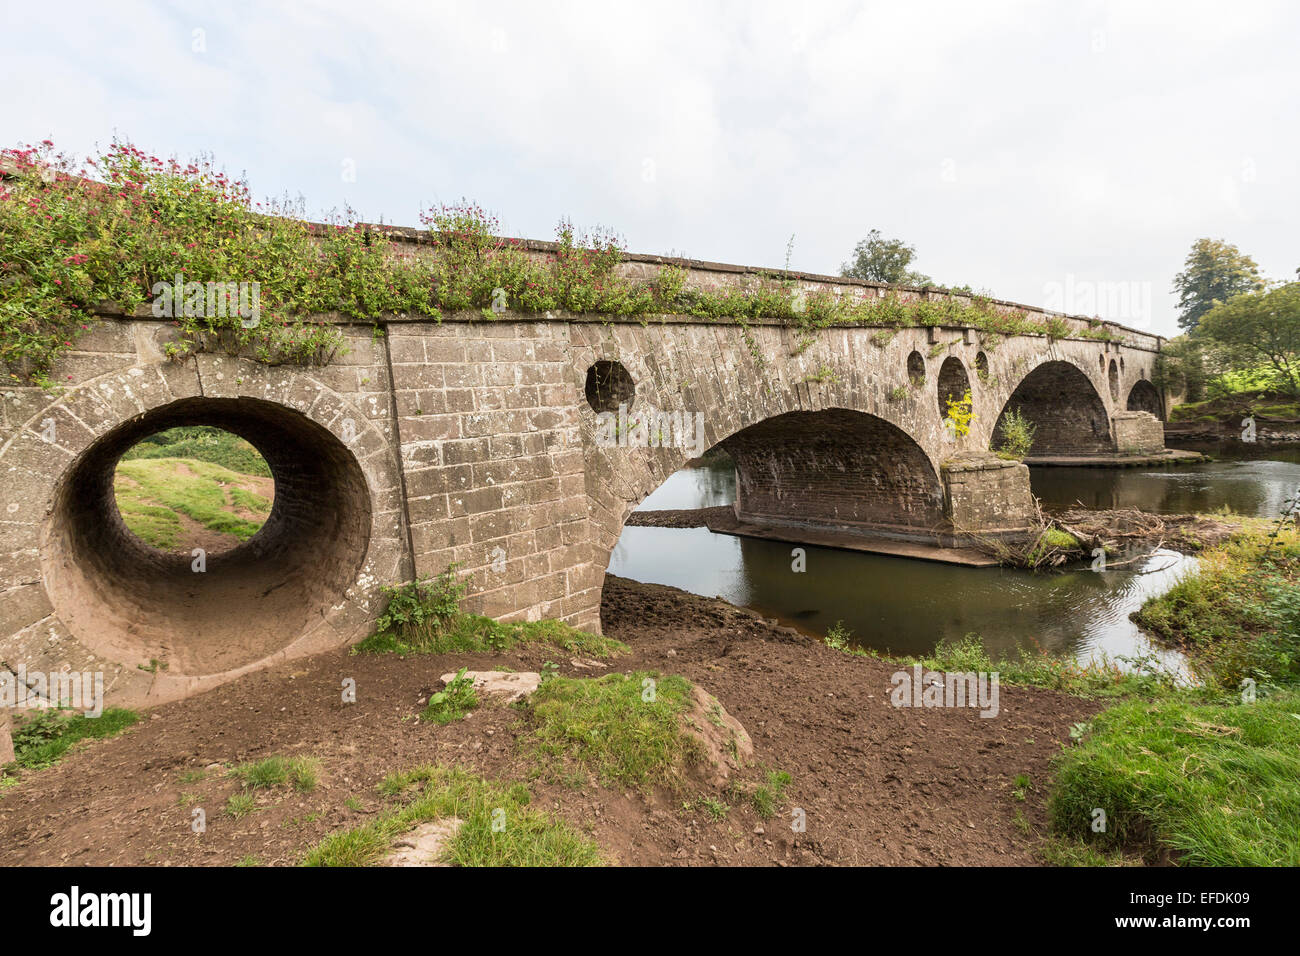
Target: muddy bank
<point>877,784</point>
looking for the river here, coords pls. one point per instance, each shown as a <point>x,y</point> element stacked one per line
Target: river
<point>906,606</point>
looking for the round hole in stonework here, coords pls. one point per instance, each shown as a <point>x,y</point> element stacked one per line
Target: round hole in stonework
<point>916,369</point>
<point>1101,361</point>
<point>982,366</point>
<point>953,383</point>
<point>214,607</point>
<point>1114,380</point>
<point>609,385</point>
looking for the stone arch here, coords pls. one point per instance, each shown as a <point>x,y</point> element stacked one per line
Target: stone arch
<point>839,467</point>
<point>305,582</point>
<point>1068,413</point>
<point>1145,397</point>
<point>1112,377</point>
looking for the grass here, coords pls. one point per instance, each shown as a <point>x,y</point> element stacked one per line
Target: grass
<point>43,739</point>
<point>1219,784</point>
<point>299,773</point>
<point>499,827</point>
<point>473,632</point>
<point>452,702</point>
<point>152,494</point>
<point>202,443</point>
<point>623,729</point>
<point>766,797</point>
<point>1238,616</point>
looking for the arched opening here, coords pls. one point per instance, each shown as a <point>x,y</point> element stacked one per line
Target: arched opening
<point>1068,415</point>
<point>953,383</point>
<point>608,386</point>
<point>916,369</point>
<point>1145,397</point>
<point>834,468</point>
<point>197,613</point>
<point>982,366</point>
<point>1113,377</point>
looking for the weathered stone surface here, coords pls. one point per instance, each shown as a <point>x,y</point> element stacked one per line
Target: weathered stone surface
<point>480,443</point>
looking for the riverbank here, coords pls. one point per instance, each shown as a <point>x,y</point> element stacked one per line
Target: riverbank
<point>873,783</point>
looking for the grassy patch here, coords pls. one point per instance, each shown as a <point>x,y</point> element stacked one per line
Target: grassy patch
<point>1096,679</point>
<point>299,773</point>
<point>472,632</point>
<point>623,729</point>
<point>152,492</point>
<point>499,827</point>
<point>766,797</point>
<point>1238,616</point>
<point>452,702</point>
<point>1219,784</point>
<point>43,739</point>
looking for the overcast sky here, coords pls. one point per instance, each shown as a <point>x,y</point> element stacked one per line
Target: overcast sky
<point>1052,153</point>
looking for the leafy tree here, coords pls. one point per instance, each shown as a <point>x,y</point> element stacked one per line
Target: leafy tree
<point>1214,271</point>
<point>1260,329</point>
<point>878,259</point>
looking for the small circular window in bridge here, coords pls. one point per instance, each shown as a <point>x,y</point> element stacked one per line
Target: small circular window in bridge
<point>609,385</point>
<point>1114,380</point>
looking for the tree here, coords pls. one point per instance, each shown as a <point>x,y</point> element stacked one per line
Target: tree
<point>877,259</point>
<point>1260,329</point>
<point>1214,271</point>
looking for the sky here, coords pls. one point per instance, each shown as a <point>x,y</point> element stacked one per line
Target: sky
<point>1058,154</point>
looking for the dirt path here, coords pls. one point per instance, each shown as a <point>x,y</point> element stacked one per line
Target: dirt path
<point>879,785</point>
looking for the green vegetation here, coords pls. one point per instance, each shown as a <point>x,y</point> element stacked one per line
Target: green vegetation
<point>203,443</point>
<point>960,413</point>
<point>424,617</point>
<point>624,729</point>
<point>1238,617</point>
<point>767,797</point>
<point>1214,271</point>
<point>878,259</point>
<point>299,773</point>
<point>153,492</point>
<point>498,826</point>
<point>72,242</point>
<point>1017,433</point>
<point>452,702</point>
<point>43,738</point>
<point>1218,784</point>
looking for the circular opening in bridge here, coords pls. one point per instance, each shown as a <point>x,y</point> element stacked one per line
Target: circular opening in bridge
<point>1114,381</point>
<point>953,383</point>
<point>194,486</point>
<point>982,366</point>
<point>609,385</point>
<point>1101,362</point>
<point>916,369</point>
<point>201,611</point>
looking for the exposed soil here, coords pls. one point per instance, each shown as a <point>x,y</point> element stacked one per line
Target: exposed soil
<point>878,784</point>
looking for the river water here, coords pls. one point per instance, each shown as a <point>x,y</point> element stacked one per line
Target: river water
<point>907,606</point>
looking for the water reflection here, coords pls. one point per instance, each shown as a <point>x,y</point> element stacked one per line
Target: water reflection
<point>906,606</point>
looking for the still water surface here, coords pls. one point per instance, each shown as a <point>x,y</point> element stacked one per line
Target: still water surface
<point>908,606</point>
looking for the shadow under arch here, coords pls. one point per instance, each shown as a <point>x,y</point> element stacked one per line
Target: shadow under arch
<point>1065,408</point>
<point>1145,397</point>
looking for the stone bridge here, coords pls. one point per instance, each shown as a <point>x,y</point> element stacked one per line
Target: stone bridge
<point>481,443</point>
